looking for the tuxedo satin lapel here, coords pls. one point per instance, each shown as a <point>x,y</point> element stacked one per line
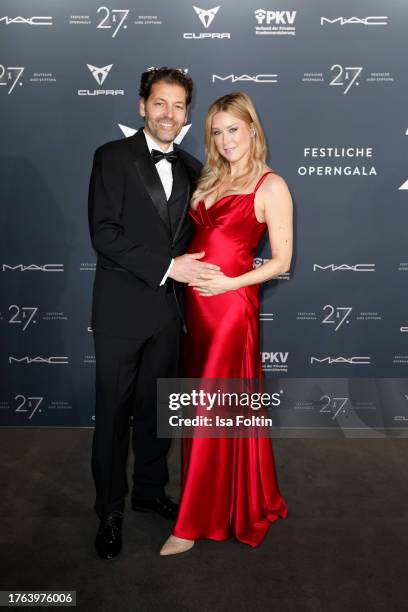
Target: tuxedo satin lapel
<point>153,185</point>
<point>181,185</point>
<point>180,180</point>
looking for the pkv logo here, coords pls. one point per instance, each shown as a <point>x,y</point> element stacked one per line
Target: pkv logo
<point>100,75</point>
<point>274,357</point>
<point>275,22</point>
<point>277,17</point>
<point>206,17</point>
<point>274,361</point>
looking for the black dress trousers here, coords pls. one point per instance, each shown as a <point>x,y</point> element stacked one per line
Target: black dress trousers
<point>126,384</point>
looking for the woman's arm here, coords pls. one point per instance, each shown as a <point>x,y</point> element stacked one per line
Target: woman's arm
<point>273,205</point>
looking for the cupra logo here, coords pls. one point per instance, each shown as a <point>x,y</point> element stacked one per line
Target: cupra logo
<point>100,74</point>
<point>206,17</point>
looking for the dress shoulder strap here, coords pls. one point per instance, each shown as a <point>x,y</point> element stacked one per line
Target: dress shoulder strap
<point>261,180</point>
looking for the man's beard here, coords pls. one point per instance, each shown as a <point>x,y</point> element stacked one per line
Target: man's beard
<point>162,135</point>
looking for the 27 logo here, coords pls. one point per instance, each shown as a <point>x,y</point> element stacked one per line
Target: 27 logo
<point>113,19</point>
<point>10,76</point>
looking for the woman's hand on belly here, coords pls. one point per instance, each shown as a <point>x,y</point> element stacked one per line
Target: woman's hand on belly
<point>214,284</point>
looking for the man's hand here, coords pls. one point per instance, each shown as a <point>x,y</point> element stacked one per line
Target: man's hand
<point>187,269</point>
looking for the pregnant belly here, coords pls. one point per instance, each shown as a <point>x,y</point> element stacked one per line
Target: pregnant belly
<point>228,252</point>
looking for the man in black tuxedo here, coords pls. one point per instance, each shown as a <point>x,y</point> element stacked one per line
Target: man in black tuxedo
<point>139,195</point>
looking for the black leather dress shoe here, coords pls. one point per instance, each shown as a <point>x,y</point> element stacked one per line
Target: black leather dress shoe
<point>164,506</point>
<point>108,542</point>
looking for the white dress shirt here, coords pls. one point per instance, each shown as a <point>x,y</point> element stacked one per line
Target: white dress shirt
<point>164,168</point>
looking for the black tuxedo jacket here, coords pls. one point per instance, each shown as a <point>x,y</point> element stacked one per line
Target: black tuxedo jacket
<point>135,237</point>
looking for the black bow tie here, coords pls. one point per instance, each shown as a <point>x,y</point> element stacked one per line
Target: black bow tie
<point>159,155</point>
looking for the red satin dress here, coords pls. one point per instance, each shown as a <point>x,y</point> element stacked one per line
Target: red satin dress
<point>229,485</point>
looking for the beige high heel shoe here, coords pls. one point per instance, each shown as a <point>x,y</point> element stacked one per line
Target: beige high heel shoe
<point>174,545</point>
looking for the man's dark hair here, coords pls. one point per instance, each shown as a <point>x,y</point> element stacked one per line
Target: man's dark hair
<point>168,75</point>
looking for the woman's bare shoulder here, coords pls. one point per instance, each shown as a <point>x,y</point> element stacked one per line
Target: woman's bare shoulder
<point>274,183</point>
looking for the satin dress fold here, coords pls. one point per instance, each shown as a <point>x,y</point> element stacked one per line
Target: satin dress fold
<point>229,485</point>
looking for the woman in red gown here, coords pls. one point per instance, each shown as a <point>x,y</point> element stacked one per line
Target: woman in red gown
<point>229,486</point>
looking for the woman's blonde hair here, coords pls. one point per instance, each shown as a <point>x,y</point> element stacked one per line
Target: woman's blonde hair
<point>217,167</point>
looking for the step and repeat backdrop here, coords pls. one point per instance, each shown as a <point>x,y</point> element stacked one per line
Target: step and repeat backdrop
<point>330,82</point>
